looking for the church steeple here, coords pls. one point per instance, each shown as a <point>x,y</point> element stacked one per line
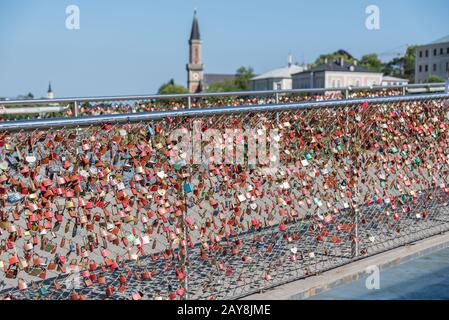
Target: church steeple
<point>195,66</point>
<point>195,34</point>
<point>50,94</point>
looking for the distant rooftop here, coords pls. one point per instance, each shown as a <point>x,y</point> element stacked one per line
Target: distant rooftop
<point>216,77</point>
<point>441,40</point>
<point>390,78</point>
<point>285,72</point>
<point>335,65</point>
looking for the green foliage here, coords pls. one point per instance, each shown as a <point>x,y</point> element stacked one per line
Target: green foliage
<point>334,56</point>
<point>371,62</point>
<point>434,79</point>
<point>402,66</point>
<point>239,83</point>
<point>242,78</point>
<point>223,86</point>
<point>171,88</point>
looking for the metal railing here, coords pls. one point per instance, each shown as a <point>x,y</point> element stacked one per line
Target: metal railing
<point>122,202</point>
<point>76,102</point>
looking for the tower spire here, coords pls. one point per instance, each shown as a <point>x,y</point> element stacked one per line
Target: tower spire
<point>50,94</point>
<point>195,66</point>
<point>195,34</point>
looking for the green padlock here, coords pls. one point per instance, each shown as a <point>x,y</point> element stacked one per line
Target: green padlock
<point>43,291</point>
<point>130,237</point>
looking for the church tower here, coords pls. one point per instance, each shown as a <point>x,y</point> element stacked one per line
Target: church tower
<point>50,94</point>
<point>195,66</point>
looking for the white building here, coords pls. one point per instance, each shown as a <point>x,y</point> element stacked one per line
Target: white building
<point>335,74</point>
<point>393,81</point>
<point>432,59</point>
<point>277,79</point>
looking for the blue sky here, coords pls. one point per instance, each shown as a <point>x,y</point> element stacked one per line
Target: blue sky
<point>131,47</point>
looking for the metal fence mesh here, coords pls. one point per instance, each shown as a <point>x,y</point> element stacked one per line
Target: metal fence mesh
<point>104,211</point>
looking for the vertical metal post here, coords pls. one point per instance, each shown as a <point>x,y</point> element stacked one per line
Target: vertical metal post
<point>346,93</point>
<point>404,91</point>
<point>355,242</point>
<point>75,108</point>
<point>189,102</point>
<point>446,88</point>
<point>186,256</point>
<point>277,101</point>
<point>446,85</point>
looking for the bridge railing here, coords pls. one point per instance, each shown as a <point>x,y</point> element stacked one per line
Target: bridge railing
<point>216,203</point>
<point>146,103</point>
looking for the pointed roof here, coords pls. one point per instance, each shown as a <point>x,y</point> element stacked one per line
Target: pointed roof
<point>49,87</point>
<point>195,34</point>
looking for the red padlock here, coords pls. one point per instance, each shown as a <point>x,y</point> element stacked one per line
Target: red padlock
<point>92,265</point>
<point>109,291</point>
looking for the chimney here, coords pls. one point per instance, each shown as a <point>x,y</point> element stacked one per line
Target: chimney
<point>355,62</point>
<point>342,62</point>
<point>290,60</point>
<point>325,60</point>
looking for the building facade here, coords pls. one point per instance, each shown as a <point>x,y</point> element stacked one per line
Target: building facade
<point>432,59</point>
<point>277,79</point>
<point>393,81</point>
<point>335,74</point>
<point>195,67</point>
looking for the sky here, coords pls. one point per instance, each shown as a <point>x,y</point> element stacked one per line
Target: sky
<point>132,47</point>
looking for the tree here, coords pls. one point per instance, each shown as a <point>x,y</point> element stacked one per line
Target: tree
<point>239,83</point>
<point>371,62</point>
<point>394,67</point>
<point>402,66</point>
<point>409,63</point>
<point>171,88</point>
<point>434,79</point>
<point>223,86</point>
<point>242,77</point>
<point>334,56</point>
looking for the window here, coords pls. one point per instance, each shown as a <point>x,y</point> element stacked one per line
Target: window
<point>427,53</point>
<point>434,52</point>
<point>441,51</point>
<point>447,51</point>
<point>426,68</point>
<point>420,68</point>
<point>434,67</point>
<point>420,54</point>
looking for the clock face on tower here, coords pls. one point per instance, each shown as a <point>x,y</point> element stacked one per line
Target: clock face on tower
<point>195,76</point>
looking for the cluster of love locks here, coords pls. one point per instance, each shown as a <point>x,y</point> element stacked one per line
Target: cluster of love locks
<point>109,204</point>
<point>88,109</point>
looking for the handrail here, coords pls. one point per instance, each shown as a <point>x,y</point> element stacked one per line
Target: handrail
<point>214,94</point>
<point>33,110</point>
<point>205,112</point>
